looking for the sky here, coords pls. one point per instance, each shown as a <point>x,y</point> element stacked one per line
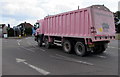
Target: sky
<point>14,12</point>
<point>119,6</point>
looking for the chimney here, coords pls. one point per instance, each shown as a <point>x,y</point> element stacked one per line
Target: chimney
<point>78,7</point>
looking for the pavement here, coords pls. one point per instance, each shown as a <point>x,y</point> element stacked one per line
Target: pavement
<point>24,57</point>
<point>0,56</point>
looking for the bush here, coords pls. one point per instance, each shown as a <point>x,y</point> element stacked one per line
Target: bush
<point>10,32</point>
<point>117,28</point>
<point>117,36</point>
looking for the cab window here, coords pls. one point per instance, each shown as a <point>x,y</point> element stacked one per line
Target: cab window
<point>37,25</point>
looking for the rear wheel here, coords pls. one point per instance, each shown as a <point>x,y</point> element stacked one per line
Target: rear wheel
<point>98,49</point>
<point>67,46</point>
<point>80,49</point>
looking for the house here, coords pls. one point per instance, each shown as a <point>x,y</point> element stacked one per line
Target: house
<point>0,30</point>
<point>25,25</point>
<point>4,30</point>
<point>25,28</point>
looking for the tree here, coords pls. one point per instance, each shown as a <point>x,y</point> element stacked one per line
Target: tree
<point>117,21</point>
<point>8,28</point>
<point>118,14</point>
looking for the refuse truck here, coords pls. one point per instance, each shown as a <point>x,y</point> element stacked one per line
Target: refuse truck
<point>81,31</point>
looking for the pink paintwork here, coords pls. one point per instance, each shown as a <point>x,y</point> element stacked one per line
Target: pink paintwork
<point>79,24</point>
<point>70,24</point>
<point>41,25</point>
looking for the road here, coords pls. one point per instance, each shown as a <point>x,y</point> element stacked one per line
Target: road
<point>24,57</point>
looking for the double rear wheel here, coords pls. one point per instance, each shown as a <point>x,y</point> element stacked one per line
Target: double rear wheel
<point>79,47</point>
<point>99,49</point>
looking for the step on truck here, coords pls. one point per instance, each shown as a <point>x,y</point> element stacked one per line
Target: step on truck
<point>81,31</point>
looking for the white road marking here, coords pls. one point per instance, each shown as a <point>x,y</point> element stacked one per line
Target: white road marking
<point>106,50</point>
<point>39,69</point>
<point>27,49</point>
<point>18,42</point>
<point>100,56</point>
<point>18,60</point>
<point>113,47</point>
<point>42,49</point>
<point>73,60</point>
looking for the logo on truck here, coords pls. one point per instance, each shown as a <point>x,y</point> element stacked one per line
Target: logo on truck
<point>103,28</point>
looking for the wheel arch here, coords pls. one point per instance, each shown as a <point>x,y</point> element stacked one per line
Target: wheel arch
<point>83,40</point>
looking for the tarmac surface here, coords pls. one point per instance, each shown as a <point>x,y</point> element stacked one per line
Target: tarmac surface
<point>24,57</point>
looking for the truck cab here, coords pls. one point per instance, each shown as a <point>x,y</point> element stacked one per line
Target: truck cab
<point>38,26</point>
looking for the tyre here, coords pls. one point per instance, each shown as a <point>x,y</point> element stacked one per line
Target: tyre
<point>99,49</point>
<point>39,42</point>
<point>47,43</point>
<point>80,49</point>
<point>67,46</point>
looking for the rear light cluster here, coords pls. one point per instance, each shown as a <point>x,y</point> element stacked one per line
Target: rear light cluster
<point>93,30</point>
<point>104,37</point>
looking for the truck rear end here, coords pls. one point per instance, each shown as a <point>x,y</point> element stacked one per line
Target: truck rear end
<point>103,24</point>
<point>103,28</point>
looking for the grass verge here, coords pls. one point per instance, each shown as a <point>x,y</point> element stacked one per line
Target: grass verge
<point>117,36</point>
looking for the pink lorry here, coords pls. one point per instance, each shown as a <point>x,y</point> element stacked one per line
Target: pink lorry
<point>84,30</point>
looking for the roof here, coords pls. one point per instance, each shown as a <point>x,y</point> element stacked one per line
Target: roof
<point>25,24</point>
<point>101,7</point>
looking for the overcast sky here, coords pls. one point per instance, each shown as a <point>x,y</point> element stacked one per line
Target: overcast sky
<point>14,12</point>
